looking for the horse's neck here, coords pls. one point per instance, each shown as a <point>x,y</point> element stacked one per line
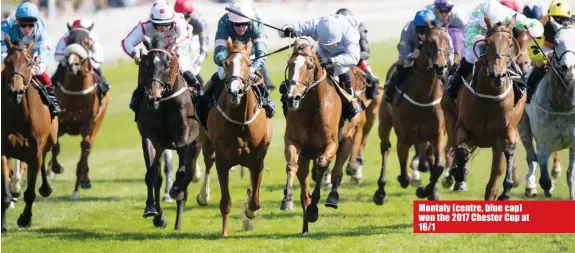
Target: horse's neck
<point>82,79</point>
<point>315,97</point>
<point>244,111</point>
<point>425,83</point>
<point>555,91</point>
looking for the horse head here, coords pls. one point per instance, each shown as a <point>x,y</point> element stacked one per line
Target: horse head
<point>237,69</point>
<point>160,69</point>
<point>76,52</point>
<point>499,51</point>
<point>18,66</point>
<point>435,50</point>
<point>523,44</point>
<point>564,54</point>
<point>304,72</point>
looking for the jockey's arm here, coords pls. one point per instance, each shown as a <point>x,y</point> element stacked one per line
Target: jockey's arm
<point>259,45</point>
<point>42,46</point>
<point>404,46</point>
<point>363,44</point>
<point>451,54</point>
<point>184,30</point>
<point>220,51</point>
<point>351,56</point>
<point>59,55</point>
<point>134,38</point>
<point>306,28</point>
<point>458,18</point>
<point>5,31</point>
<point>97,51</point>
<point>533,26</point>
<point>200,28</point>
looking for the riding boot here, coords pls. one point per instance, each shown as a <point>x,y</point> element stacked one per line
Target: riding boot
<point>536,75</point>
<point>268,103</point>
<point>355,105</point>
<point>206,99</point>
<point>397,78</point>
<point>519,83</point>
<point>54,105</point>
<point>200,80</point>
<point>455,81</point>
<point>58,76</point>
<point>267,79</point>
<point>103,85</point>
<point>136,99</point>
<point>371,90</point>
<point>193,83</point>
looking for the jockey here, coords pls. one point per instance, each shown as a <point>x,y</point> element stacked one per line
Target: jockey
<point>96,55</point>
<point>165,21</point>
<point>239,28</point>
<point>411,37</point>
<point>560,11</point>
<point>199,33</point>
<point>338,51</point>
<point>446,12</point>
<point>475,31</point>
<point>25,25</point>
<point>364,53</point>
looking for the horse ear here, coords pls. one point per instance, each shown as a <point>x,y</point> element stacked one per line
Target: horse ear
<point>69,26</point>
<point>229,44</point>
<point>146,43</point>
<point>487,21</point>
<point>512,22</point>
<point>554,23</point>
<point>90,27</point>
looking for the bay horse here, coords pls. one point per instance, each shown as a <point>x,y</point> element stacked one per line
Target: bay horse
<point>416,114</point>
<point>82,113</point>
<point>164,123</point>
<point>28,130</point>
<point>550,114</point>
<point>238,133</point>
<point>314,129</point>
<point>485,113</point>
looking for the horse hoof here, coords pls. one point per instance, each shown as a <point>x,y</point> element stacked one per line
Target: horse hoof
<point>503,197</point>
<point>150,211</point>
<point>378,198</point>
<point>414,163</point>
<point>16,194</point>
<point>160,221</point>
<point>45,190</point>
<point>404,182</point>
<point>460,187</point>
<point>434,194</point>
<point>247,223</point>
<point>331,200</point>
<point>515,184</point>
<point>85,184</point>
<point>415,182</point>
<point>312,213</point>
<point>176,193</point>
<point>349,171</point>
<point>355,180</point>
<point>422,168</point>
<point>420,192</point>
<point>167,198</point>
<point>327,187</point>
<point>556,172</point>
<point>548,193</point>
<point>531,192</point>
<point>75,195</point>
<point>200,202</point>
<point>55,167</point>
<point>287,205</point>
<point>447,182</point>
<point>24,221</point>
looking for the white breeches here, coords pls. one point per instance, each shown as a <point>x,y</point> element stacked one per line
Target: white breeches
<point>184,50</point>
<point>470,56</point>
<point>195,54</point>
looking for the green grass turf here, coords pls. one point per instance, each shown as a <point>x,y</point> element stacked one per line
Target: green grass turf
<point>108,217</point>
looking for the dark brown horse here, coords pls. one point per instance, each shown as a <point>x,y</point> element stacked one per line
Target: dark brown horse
<point>313,124</point>
<point>28,131</point>
<point>416,115</point>
<point>82,113</point>
<point>239,133</point>
<point>485,114</point>
<point>164,123</point>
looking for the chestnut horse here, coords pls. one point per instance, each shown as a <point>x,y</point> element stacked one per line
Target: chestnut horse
<point>239,133</point>
<point>485,113</point>
<point>28,130</point>
<point>313,125</point>
<point>82,113</point>
<point>164,123</point>
<point>416,114</point>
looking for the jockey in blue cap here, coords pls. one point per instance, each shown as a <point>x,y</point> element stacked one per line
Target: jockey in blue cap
<point>411,37</point>
<point>25,26</point>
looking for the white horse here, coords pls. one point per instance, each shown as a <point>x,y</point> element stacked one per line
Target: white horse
<point>551,113</point>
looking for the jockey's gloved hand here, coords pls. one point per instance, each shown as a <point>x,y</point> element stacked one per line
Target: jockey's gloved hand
<point>255,78</point>
<point>290,32</point>
<point>137,59</point>
<point>327,63</point>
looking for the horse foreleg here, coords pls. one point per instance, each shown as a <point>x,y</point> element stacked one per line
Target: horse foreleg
<point>570,175</point>
<point>305,195</point>
<point>45,189</point>
<point>159,219</point>
<point>312,211</point>
<point>497,168</point>
<point>526,137</point>
<point>430,191</point>
<point>16,179</point>
<point>151,175</point>
<point>461,160</point>
<point>168,171</point>
<point>54,165</point>
<point>292,155</point>
<point>354,168</point>
<point>208,152</point>
<point>545,181</point>
<point>30,195</point>
<point>253,196</point>
<point>384,130</point>
<point>223,168</point>
<point>343,152</point>
<point>6,196</point>
<point>82,167</point>
<point>556,171</point>
<point>187,159</point>
<point>509,147</point>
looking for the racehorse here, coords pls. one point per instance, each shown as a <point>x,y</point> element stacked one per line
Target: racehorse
<point>238,133</point>
<point>485,113</point>
<point>551,112</point>
<point>28,130</point>
<point>82,112</point>
<point>164,123</point>
<point>314,129</point>
<point>416,114</point>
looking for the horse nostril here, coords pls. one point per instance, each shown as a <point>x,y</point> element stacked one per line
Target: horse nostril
<point>297,97</point>
<point>564,68</point>
<point>240,92</point>
<point>435,66</point>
